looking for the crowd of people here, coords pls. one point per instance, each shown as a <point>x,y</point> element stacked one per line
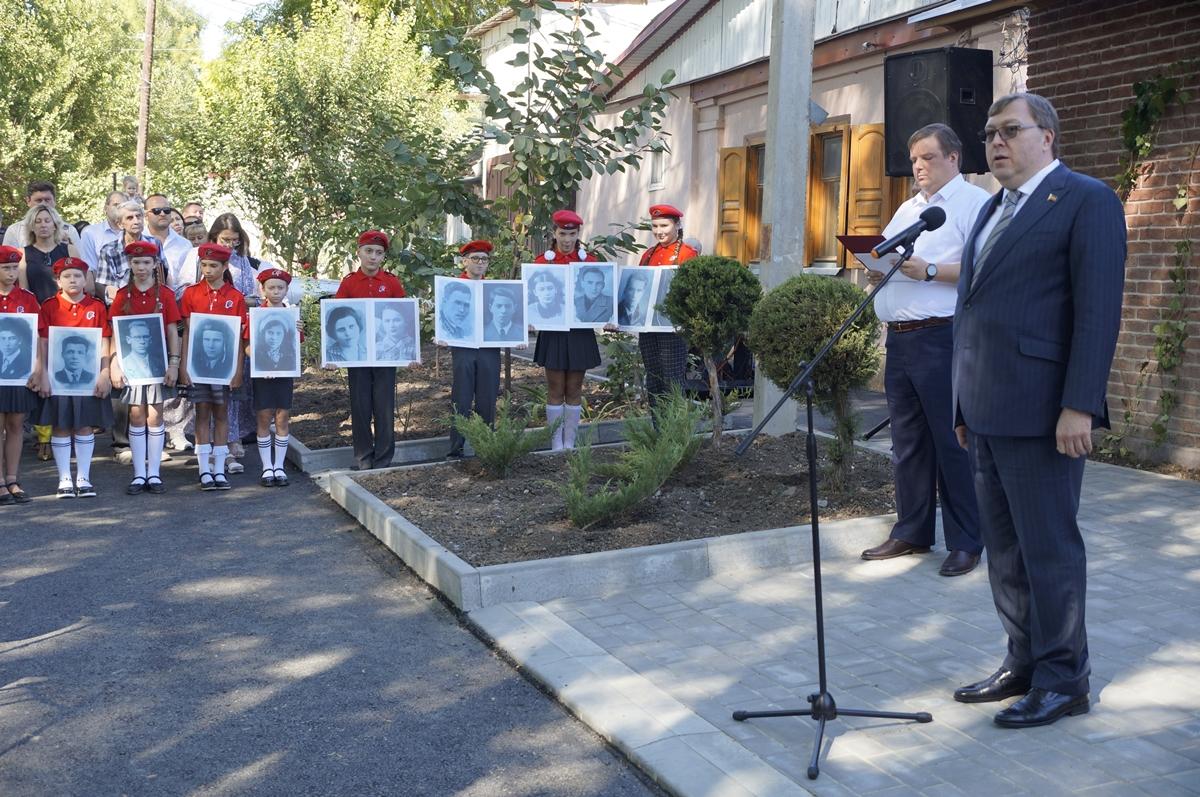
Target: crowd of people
<point>148,257</point>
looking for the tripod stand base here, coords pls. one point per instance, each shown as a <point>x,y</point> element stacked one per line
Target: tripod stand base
<point>824,709</point>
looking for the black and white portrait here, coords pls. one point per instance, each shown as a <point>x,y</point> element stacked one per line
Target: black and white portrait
<point>213,348</point>
<point>633,303</point>
<point>665,278</point>
<point>141,348</point>
<point>503,314</point>
<point>18,337</point>
<point>593,289</point>
<point>274,341</point>
<point>545,296</point>
<point>74,360</point>
<point>456,301</point>
<point>344,332</point>
<point>397,332</point>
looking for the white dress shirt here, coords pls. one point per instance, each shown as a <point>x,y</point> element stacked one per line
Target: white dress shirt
<point>175,250</point>
<point>1028,188</point>
<point>93,239</point>
<point>906,299</point>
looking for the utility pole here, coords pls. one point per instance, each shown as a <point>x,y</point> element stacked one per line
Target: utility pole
<point>144,95</point>
<point>789,91</point>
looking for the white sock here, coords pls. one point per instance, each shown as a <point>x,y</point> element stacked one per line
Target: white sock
<point>203,450</point>
<point>264,453</point>
<point>281,447</point>
<point>571,415</point>
<point>219,455</point>
<point>61,446</point>
<point>84,445</point>
<point>137,447</point>
<point>154,449</point>
<point>553,413</point>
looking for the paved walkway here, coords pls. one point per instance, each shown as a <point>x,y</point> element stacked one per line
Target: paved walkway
<point>666,666</point>
<point>256,641</point>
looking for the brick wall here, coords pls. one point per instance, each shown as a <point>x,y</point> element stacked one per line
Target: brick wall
<point>1085,56</point>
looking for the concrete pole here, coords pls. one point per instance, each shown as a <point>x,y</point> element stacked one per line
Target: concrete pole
<point>789,91</point>
<point>144,96</point>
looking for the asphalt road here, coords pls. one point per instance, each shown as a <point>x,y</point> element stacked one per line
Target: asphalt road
<point>252,642</point>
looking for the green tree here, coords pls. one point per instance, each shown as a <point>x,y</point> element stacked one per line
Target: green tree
<point>68,95</point>
<point>551,121</point>
<point>791,324</point>
<point>710,302</point>
<point>330,128</point>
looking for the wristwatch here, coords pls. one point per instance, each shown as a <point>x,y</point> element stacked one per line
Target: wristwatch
<point>930,272</point>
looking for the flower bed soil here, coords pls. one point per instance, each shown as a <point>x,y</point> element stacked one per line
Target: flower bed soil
<point>522,517</point>
<point>321,404</point>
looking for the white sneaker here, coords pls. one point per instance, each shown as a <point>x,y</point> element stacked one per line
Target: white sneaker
<point>181,443</point>
<point>165,456</point>
<point>124,457</point>
<point>233,466</point>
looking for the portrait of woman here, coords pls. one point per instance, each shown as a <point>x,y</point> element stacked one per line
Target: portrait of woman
<point>546,300</point>
<point>274,345</point>
<point>395,332</point>
<point>344,331</point>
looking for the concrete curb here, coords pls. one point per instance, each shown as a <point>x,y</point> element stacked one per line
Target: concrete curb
<point>594,574</point>
<point>682,752</point>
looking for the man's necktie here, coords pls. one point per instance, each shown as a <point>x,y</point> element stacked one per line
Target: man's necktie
<point>1011,198</point>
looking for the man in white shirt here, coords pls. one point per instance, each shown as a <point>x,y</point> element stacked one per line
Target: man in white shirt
<point>95,236</point>
<point>918,306</point>
<point>38,192</point>
<point>174,247</point>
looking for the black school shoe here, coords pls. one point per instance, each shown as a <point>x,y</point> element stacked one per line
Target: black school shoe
<point>137,486</point>
<point>221,482</point>
<point>84,488</point>
<point>66,489</point>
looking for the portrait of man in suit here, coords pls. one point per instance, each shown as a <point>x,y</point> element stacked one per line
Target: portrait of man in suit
<point>664,286</point>
<point>76,351</point>
<point>635,298</point>
<point>213,351</point>
<point>503,322</point>
<point>16,349</point>
<point>140,358</point>
<point>1036,322</point>
<point>593,296</point>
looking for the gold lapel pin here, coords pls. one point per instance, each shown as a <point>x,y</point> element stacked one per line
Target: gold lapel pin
<point>1052,198</point>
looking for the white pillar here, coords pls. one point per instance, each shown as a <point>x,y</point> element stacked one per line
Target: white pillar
<point>785,193</point>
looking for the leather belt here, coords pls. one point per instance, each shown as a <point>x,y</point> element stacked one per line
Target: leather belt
<point>920,323</point>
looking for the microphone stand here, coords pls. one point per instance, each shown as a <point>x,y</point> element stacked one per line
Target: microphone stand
<point>822,707</point>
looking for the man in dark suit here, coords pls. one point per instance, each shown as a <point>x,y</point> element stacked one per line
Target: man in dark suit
<point>16,350</point>
<point>503,323</point>
<point>74,358</point>
<point>1039,307</point>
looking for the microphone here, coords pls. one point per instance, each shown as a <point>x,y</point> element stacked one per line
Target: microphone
<point>932,217</point>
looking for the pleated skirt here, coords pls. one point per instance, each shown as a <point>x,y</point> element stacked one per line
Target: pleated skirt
<point>574,350</point>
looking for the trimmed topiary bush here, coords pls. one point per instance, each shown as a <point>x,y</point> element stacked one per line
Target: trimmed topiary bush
<point>709,303</point>
<point>791,324</point>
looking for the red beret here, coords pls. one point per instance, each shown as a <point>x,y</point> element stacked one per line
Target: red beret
<point>567,219</point>
<point>665,212</point>
<point>274,274</point>
<point>373,237</point>
<point>9,254</point>
<point>475,246</point>
<point>64,263</point>
<point>141,249</point>
<point>214,252</point>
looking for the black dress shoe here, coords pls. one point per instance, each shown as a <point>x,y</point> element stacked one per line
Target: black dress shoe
<point>959,563</point>
<point>1041,707</point>
<point>999,685</point>
<point>893,548</point>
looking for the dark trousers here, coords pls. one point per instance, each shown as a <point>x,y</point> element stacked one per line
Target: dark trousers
<point>1028,500</point>
<point>664,355</point>
<point>373,399</point>
<point>475,388</point>
<point>120,425</point>
<point>929,463</point>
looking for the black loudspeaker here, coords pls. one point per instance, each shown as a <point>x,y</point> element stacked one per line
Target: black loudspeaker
<point>951,85</point>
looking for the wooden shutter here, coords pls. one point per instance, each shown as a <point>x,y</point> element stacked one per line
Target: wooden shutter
<point>873,196</point>
<point>732,204</point>
<point>824,221</point>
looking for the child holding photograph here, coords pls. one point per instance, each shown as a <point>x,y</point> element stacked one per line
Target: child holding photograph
<point>372,389</point>
<point>144,295</point>
<point>16,401</point>
<point>476,381</point>
<point>213,294</point>
<point>273,394</point>
<point>74,416</point>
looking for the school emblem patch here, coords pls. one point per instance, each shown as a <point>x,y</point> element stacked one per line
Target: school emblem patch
<point>91,314</point>
<point>228,304</point>
<point>381,289</point>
